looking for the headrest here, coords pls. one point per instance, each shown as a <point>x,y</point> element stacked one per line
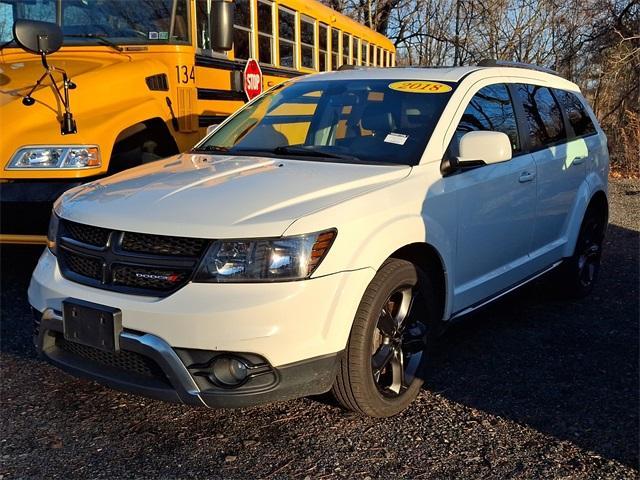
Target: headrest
<point>377,117</point>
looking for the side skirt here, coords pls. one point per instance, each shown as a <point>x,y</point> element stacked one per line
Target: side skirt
<point>502,293</point>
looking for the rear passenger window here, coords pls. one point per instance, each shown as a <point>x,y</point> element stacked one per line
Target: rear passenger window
<point>578,116</point>
<point>490,109</point>
<point>543,116</point>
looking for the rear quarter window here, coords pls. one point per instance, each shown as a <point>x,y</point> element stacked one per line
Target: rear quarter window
<point>576,113</point>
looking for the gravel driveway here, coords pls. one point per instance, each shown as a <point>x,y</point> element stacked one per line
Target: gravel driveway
<point>530,387</point>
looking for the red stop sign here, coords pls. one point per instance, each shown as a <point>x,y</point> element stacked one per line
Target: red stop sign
<point>252,79</point>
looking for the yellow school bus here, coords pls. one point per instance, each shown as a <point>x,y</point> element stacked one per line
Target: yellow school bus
<point>145,80</point>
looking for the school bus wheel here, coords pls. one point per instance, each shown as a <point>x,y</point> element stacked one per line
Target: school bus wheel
<point>141,143</point>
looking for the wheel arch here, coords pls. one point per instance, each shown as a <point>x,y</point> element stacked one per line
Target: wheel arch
<point>600,205</point>
<point>427,257</point>
<point>129,140</point>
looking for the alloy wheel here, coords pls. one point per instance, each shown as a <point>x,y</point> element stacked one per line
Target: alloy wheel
<point>398,343</point>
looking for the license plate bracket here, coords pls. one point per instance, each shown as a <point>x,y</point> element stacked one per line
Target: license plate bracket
<point>91,324</point>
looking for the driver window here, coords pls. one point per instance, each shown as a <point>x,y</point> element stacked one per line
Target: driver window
<point>203,11</point>
<point>489,109</point>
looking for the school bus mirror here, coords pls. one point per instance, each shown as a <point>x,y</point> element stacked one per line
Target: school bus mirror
<point>41,38</point>
<point>211,128</point>
<point>221,27</point>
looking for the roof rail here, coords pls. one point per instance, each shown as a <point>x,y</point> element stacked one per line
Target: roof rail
<point>492,62</point>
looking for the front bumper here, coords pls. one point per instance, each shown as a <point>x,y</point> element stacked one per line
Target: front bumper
<point>297,328</point>
<point>165,376</point>
<point>284,322</point>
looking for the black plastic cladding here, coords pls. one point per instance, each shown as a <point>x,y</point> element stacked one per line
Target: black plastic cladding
<point>127,262</point>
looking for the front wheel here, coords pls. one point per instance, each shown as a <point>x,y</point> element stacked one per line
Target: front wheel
<point>382,370</point>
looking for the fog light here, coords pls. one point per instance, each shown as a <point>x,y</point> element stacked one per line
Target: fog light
<point>228,371</point>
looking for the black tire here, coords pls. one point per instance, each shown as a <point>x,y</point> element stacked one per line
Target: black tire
<point>579,273</point>
<point>383,348</point>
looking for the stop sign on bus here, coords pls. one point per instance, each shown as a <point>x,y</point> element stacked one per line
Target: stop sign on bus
<point>252,79</point>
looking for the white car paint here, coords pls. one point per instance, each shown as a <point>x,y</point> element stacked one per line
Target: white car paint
<point>492,227</point>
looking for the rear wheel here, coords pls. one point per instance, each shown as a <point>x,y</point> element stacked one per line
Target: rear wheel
<point>382,370</point>
<point>580,272</point>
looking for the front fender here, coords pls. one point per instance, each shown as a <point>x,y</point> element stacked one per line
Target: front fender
<point>108,99</point>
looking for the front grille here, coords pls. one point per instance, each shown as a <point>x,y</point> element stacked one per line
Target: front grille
<point>95,236</point>
<point>128,262</point>
<point>130,362</point>
<point>163,245</point>
<point>89,267</point>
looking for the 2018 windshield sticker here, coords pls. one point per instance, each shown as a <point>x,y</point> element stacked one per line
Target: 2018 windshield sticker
<point>420,86</point>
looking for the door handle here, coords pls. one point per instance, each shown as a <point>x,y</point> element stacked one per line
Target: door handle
<point>526,177</point>
<point>578,160</point>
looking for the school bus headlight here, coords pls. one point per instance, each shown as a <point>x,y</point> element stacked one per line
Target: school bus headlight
<point>64,157</point>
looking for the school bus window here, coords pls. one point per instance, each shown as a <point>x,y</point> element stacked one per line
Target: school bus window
<point>381,60</point>
<point>372,54</point>
<point>323,31</point>
<point>292,118</point>
<point>346,47</point>
<point>265,32</point>
<point>203,40</point>
<point>287,37</point>
<point>307,42</point>
<point>335,49</point>
<point>242,30</point>
<point>388,59</point>
<point>355,51</point>
<point>364,49</point>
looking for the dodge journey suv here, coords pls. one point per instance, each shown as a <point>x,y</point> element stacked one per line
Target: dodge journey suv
<point>321,237</point>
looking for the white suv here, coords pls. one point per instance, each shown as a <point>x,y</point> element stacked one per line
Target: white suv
<point>320,237</point>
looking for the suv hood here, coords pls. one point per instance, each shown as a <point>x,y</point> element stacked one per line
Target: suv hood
<point>213,196</point>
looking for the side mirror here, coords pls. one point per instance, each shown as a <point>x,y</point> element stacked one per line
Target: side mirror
<point>221,26</point>
<point>211,128</point>
<point>38,37</point>
<point>485,147</point>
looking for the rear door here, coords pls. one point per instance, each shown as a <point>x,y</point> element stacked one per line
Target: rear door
<point>560,166</point>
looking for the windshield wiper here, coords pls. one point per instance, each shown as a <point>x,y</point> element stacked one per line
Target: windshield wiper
<point>101,39</point>
<point>310,152</point>
<point>211,148</point>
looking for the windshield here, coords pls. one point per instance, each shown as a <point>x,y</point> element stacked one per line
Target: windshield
<point>351,120</point>
<point>88,21</point>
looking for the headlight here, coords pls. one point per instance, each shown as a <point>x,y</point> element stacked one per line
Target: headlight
<point>52,232</point>
<point>65,157</point>
<point>265,260</point>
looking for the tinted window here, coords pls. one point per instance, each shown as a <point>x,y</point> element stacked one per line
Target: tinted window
<point>322,37</point>
<point>578,116</point>
<point>265,33</point>
<point>286,29</point>
<point>242,29</point>
<point>490,109</point>
<point>335,48</point>
<point>346,45</point>
<point>307,40</point>
<point>542,115</point>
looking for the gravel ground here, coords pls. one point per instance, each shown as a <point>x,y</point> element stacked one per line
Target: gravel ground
<point>530,387</point>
